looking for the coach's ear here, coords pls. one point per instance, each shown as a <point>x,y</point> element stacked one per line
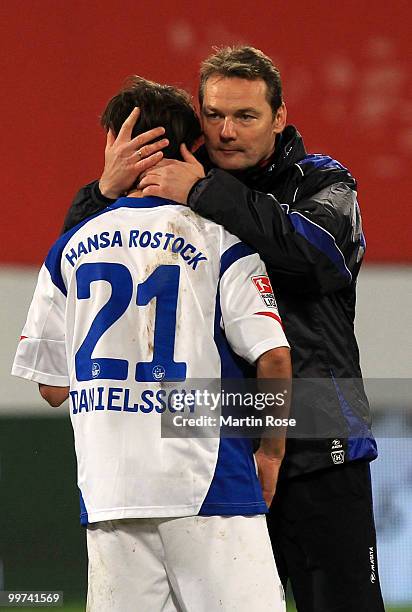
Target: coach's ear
<point>279,120</point>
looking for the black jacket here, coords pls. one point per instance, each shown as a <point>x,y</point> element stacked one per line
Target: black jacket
<point>300,213</point>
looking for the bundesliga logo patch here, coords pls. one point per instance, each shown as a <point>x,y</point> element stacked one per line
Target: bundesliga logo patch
<point>264,288</point>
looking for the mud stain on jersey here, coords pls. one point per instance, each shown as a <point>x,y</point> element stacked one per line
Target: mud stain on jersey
<point>197,221</point>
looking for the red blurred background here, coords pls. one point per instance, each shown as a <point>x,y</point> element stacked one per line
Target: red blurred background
<point>347,83</point>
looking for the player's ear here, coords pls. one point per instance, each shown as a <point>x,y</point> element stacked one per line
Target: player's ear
<point>279,120</point>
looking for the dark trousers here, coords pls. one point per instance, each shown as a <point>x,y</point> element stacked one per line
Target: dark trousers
<point>323,536</point>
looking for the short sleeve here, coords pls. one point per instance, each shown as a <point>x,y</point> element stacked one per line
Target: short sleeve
<point>249,312</point>
<point>41,353</point>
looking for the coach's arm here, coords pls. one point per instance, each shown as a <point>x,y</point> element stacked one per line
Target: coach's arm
<point>55,396</point>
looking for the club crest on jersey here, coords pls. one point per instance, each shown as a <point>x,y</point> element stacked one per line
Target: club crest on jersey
<point>95,370</point>
<point>158,372</point>
<point>264,288</point>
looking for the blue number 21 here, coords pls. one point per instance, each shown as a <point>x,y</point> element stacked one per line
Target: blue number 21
<point>162,284</point>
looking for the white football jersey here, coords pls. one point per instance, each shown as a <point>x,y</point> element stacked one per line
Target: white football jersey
<point>141,295</point>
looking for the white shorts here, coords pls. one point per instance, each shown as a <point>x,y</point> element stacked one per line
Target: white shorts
<point>189,564</point>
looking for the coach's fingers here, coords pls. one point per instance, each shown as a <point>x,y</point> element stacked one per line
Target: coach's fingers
<point>152,190</point>
<point>125,131</point>
<point>148,150</point>
<point>154,169</point>
<point>148,178</point>
<point>147,163</point>
<point>188,157</point>
<point>110,139</point>
<point>142,139</point>
<point>155,174</point>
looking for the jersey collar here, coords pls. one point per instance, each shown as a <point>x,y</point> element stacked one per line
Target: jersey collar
<point>147,202</point>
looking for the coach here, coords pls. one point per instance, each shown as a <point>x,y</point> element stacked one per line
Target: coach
<point>300,212</point>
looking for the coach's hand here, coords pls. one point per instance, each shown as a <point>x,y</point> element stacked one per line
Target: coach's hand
<point>126,158</point>
<point>268,472</point>
<point>173,179</point>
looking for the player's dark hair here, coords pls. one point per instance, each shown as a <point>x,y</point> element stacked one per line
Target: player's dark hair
<point>160,105</point>
<point>246,63</point>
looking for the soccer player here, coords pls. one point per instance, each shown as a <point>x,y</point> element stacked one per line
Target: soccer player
<point>129,305</point>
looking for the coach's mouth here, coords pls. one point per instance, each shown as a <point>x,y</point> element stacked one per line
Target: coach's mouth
<point>230,151</point>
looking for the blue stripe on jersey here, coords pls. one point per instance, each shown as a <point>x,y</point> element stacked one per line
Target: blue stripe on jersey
<point>232,254</point>
<point>84,517</point>
<point>361,443</point>
<point>322,240</point>
<point>232,366</point>
<point>53,259</point>
<point>235,489</point>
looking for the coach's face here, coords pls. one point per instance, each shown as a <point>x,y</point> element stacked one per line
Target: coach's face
<point>238,122</point>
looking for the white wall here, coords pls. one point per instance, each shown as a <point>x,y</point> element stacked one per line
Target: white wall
<point>16,290</point>
<point>384,321</point>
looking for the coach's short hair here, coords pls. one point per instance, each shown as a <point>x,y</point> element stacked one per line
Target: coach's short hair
<point>160,105</point>
<point>244,62</point>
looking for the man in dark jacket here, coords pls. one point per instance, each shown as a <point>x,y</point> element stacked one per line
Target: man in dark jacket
<point>300,212</point>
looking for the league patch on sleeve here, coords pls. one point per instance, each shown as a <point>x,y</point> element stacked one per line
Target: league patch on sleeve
<point>264,288</point>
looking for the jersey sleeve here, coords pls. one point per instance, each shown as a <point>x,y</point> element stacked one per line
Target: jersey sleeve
<point>41,353</point>
<point>250,316</point>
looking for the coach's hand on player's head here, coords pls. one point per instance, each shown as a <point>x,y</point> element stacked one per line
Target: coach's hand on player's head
<point>126,158</point>
<point>173,180</point>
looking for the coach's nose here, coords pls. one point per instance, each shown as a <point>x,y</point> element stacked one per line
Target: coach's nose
<point>228,131</point>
